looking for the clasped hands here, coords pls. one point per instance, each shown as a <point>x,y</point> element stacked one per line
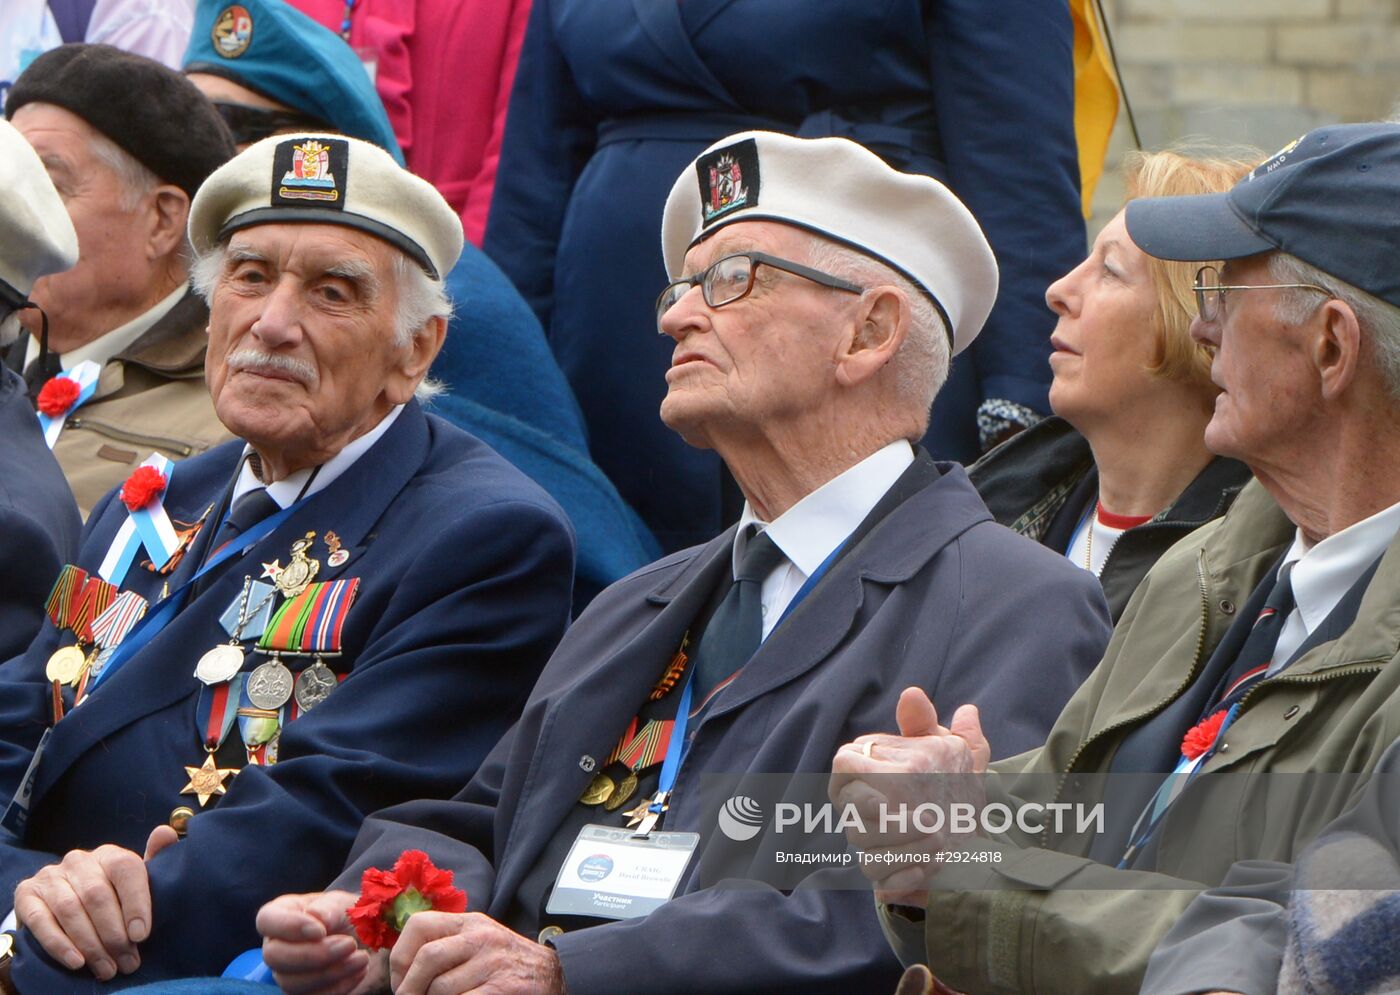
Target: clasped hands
<point>923,756</point>
<point>307,943</point>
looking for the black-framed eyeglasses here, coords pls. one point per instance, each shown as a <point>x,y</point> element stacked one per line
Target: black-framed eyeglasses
<point>730,278</point>
<point>1210,292</point>
<point>252,124</point>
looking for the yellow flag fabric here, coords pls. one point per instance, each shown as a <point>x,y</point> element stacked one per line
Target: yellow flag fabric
<point>1095,97</point>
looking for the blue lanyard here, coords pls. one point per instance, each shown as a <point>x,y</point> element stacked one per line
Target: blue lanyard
<point>806,588</point>
<point>1161,803</point>
<point>150,626</point>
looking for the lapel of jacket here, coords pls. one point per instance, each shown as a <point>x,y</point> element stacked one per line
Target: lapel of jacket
<point>663,24</point>
<point>586,715</point>
<point>162,673</point>
<point>930,511</point>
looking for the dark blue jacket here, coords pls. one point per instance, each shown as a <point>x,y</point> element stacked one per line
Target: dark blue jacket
<point>39,520</point>
<point>505,388</point>
<point>612,100</point>
<point>465,574</point>
<point>936,595</point>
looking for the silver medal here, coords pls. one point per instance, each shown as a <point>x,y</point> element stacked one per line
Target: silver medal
<point>270,686</point>
<point>219,664</point>
<point>314,685</point>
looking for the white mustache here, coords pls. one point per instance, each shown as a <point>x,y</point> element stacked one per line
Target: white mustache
<point>260,362</point>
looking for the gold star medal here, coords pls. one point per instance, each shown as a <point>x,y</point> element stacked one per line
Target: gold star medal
<point>207,780</point>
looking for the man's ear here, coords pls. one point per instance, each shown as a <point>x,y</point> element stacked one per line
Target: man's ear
<point>881,325</point>
<point>170,210</point>
<point>416,360</point>
<point>1336,347</point>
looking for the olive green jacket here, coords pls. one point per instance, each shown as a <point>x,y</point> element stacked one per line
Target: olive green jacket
<point>150,398</point>
<point>1076,926</point>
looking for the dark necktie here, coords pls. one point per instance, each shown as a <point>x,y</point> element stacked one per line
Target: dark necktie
<point>736,628</point>
<point>248,510</point>
<point>1257,653</point>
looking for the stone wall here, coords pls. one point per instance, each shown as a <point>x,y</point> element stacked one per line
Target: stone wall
<point>1260,72</point>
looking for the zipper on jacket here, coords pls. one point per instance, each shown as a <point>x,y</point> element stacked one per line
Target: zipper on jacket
<point>1284,678</point>
<point>1191,676</point>
<point>102,428</point>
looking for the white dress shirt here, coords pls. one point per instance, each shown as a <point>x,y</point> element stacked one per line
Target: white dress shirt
<point>104,347</point>
<point>813,528</point>
<point>301,484</point>
<point>1324,572</point>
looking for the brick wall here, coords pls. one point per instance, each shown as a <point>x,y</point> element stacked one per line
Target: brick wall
<point>1255,71</point>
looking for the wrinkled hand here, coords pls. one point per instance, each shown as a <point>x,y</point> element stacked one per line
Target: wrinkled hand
<point>448,953</point>
<point>311,950</point>
<point>924,754</point>
<point>93,907</point>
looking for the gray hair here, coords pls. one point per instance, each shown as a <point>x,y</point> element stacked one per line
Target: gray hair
<point>420,299</point>
<point>921,366</point>
<point>1379,320</point>
<point>135,179</point>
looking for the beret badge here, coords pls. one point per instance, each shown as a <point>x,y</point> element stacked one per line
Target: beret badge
<point>232,32</point>
<point>728,180</point>
<point>310,169</point>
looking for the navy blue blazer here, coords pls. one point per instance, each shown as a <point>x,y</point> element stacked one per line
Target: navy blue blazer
<point>614,98</point>
<point>39,519</point>
<point>465,571</point>
<point>936,595</point>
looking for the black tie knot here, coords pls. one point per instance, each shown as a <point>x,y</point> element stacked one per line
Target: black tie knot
<point>249,510</point>
<point>761,556</point>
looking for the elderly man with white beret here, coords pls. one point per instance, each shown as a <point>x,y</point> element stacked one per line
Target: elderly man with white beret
<point>341,610</point>
<point>817,297</point>
<point>39,522</point>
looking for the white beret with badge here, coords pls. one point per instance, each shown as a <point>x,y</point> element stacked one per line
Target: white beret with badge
<point>840,190</point>
<point>36,236</point>
<point>327,179</point>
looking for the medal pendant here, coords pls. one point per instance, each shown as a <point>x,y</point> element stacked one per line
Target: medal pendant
<point>296,576</point>
<point>625,790</point>
<point>219,664</point>
<point>65,665</point>
<point>314,685</point>
<point>270,686</point>
<point>207,780</point>
<point>599,790</point>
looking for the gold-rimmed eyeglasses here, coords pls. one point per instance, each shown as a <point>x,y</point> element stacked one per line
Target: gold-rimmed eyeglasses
<point>730,278</point>
<point>1210,292</point>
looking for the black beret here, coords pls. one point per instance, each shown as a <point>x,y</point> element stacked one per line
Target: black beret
<point>152,112</point>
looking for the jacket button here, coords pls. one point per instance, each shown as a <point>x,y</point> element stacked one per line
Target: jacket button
<point>1291,712</point>
<point>587,763</point>
<point>1227,606</point>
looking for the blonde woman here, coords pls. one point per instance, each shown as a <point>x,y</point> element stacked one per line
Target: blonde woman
<point>1122,472</point>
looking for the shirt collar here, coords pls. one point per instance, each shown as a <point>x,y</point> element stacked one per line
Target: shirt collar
<point>302,484</point>
<point>104,347</point>
<point>1325,571</point>
<point>814,527</point>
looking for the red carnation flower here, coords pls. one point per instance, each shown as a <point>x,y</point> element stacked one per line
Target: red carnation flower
<point>142,487</point>
<point>389,898</point>
<point>57,396</point>
<point>1202,736</point>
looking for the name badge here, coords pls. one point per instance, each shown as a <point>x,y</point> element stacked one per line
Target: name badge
<point>18,813</point>
<point>610,874</point>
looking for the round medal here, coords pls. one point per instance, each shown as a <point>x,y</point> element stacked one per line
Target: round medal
<point>599,790</point>
<point>625,790</point>
<point>314,685</point>
<point>65,665</point>
<point>270,686</point>
<point>219,664</point>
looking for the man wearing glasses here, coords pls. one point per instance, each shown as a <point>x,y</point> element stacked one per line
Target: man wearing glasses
<point>818,296</point>
<point>1264,643</point>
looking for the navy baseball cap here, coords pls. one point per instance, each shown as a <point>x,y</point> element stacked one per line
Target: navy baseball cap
<point>1332,199</point>
<point>274,49</point>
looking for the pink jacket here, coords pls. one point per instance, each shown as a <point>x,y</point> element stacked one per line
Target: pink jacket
<point>444,72</point>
